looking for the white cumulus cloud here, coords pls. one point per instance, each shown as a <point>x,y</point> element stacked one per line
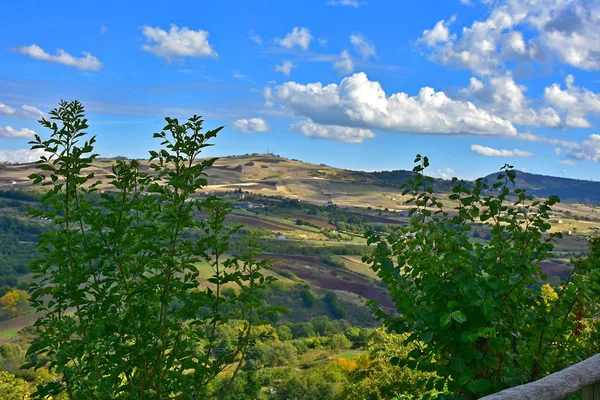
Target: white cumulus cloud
<point>491,152</point>
<point>363,46</point>
<point>567,30</point>
<point>332,132</point>
<point>439,34</point>
<point>300,37</point>
<point>575,101</point>
<point>87,62</point>
<point>361,103</point>
<point>21,155</point>
<point>502,96</point>
<point>251,125</point>
<point>285,68</point>
<point>10,132</point>
<point>178,42</point>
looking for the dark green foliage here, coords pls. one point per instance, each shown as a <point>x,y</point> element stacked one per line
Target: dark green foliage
<point>358,336</point>
<point>118,279</point>
<point>332,302</point>
<point>302,330</point>
<point>307,297</point>
<point>274,354</point>
<point>286,247</point>
<point>476,310</point>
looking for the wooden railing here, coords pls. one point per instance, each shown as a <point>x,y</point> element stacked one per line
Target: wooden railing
<point>559,385</point>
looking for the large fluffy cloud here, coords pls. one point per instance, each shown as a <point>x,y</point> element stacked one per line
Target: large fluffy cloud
<point>491,152</point>
<point>502,96</point>
<point>251,125</point>
<point>572,32</point>
<point>575,101</point>
<point>361,103</point>
<point>87,62</point>
<point>567,29</point>
<point>178,42</point>
<point>26,111</point>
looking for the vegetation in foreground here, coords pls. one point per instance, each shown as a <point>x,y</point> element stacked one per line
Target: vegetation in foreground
<point>136,317</point>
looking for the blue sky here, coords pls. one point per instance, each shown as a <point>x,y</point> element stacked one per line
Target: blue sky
<point>350,83</point>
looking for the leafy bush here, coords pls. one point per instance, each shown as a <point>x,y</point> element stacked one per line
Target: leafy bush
<point>307,297</point>
<point>476,309</point>
<point>274,354</point>
<point>339,341</point>
<point>372,376</point>
<point>13,388</point>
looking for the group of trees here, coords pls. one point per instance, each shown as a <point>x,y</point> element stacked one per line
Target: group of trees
<point>126,314</point>
<point>17,247</point>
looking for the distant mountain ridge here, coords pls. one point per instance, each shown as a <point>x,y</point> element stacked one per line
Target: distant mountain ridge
<point>568,189</point>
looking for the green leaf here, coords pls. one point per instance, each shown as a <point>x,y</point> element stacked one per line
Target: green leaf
<point>459,317</point>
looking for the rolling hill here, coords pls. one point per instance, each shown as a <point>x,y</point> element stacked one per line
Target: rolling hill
<point>318,183</point>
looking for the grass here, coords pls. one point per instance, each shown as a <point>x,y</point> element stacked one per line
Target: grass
<point>9,333</point>
<point>350,354</point>
<point>355,264</point>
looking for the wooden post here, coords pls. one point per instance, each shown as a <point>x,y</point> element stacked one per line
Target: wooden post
<point>559,385</point>
<point>592,392</point>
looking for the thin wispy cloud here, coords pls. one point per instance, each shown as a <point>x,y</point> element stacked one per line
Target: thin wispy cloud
<point>26,111</point>
<point>491,152</point>
<point>346,3</point>
<point>363,46</point>
<point>255,38</point>
<point>88,62</point>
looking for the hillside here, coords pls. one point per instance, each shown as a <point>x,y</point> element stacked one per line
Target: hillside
<point>320,183</point>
